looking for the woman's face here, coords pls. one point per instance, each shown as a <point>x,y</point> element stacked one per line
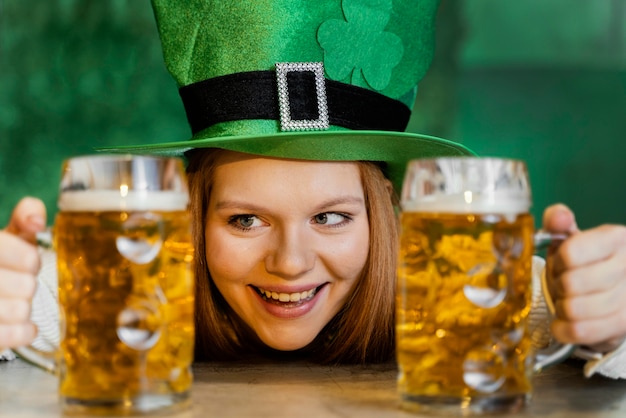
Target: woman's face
<point>286,242</point>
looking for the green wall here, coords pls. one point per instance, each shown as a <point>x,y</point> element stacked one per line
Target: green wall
<point>75,75</point>
<point>538,80</point>
<point>542,81</point>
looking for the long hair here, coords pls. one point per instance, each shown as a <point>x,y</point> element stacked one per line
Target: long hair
<point>363,330</point>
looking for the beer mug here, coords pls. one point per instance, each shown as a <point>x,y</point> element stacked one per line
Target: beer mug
<point>464,287</point>
<point>126,288</point>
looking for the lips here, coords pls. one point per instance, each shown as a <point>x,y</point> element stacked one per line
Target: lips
<point>288,305</point>
<point>287,299</point>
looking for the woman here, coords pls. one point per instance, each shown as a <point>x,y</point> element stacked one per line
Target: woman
<point>293,262</point>
<point>282,214</point>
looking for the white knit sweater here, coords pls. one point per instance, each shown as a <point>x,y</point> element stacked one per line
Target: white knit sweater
<point>45,307</point>
<point>45,314</point>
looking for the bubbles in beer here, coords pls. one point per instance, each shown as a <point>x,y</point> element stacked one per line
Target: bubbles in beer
<point>126,284</point>
<point>463,301</point>
<point>141,239</point>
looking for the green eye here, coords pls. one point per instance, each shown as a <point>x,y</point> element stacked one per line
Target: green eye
<point>246,221</point>
<point>330,219</point>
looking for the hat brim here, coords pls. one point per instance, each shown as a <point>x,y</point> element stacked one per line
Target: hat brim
<point>394,149</point>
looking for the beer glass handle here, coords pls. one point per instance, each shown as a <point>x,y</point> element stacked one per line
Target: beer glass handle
<point>42,359</point>
<point>543,239</point>
<point>559,352</point>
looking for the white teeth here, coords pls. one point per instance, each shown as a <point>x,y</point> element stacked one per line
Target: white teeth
<point>288,297</point>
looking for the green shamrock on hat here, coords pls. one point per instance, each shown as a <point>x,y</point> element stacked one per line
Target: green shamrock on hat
<point>358,48</point>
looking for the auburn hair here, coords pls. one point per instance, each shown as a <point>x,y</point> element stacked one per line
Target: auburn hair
<point>363,330</point>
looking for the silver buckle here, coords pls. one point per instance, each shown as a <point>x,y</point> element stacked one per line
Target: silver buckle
<point>286,122</point>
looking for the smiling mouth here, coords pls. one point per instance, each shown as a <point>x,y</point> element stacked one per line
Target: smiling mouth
<point>287,299</point>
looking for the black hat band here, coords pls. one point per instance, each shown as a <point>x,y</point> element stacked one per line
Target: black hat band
<point>254,95</point>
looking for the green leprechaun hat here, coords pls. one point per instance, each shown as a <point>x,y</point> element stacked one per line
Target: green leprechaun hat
<point>315,80</point>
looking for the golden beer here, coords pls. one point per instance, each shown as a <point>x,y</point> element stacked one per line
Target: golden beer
<point>463,297</point>
<point>124,254</point>
<point>126,292</point>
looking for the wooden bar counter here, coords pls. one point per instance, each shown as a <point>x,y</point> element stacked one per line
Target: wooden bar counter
<point>300,390</point>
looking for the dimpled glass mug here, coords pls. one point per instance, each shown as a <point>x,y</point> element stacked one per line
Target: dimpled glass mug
<point>126,287</point>
<point>464,287</point>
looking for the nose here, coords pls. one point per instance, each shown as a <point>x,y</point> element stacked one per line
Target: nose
<point>292,256</point>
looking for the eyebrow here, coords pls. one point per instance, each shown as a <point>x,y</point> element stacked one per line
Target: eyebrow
<point>235,204</point>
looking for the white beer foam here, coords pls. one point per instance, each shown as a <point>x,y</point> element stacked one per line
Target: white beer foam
<point>113,200</point>
<point>473,204</point>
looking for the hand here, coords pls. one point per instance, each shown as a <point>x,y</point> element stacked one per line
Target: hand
<point>19,264</point>
<point>587,281</point>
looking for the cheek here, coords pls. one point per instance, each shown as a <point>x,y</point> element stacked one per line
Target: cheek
<point>224,260</point>
<point>350,256</point>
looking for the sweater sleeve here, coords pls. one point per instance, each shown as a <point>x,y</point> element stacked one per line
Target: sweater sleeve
<point>45,310</point>
<point>612,364</point>
<point>45,307</point>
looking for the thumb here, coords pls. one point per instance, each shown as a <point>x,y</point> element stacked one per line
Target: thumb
<point>559,219</point>
<point>28,218</point>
